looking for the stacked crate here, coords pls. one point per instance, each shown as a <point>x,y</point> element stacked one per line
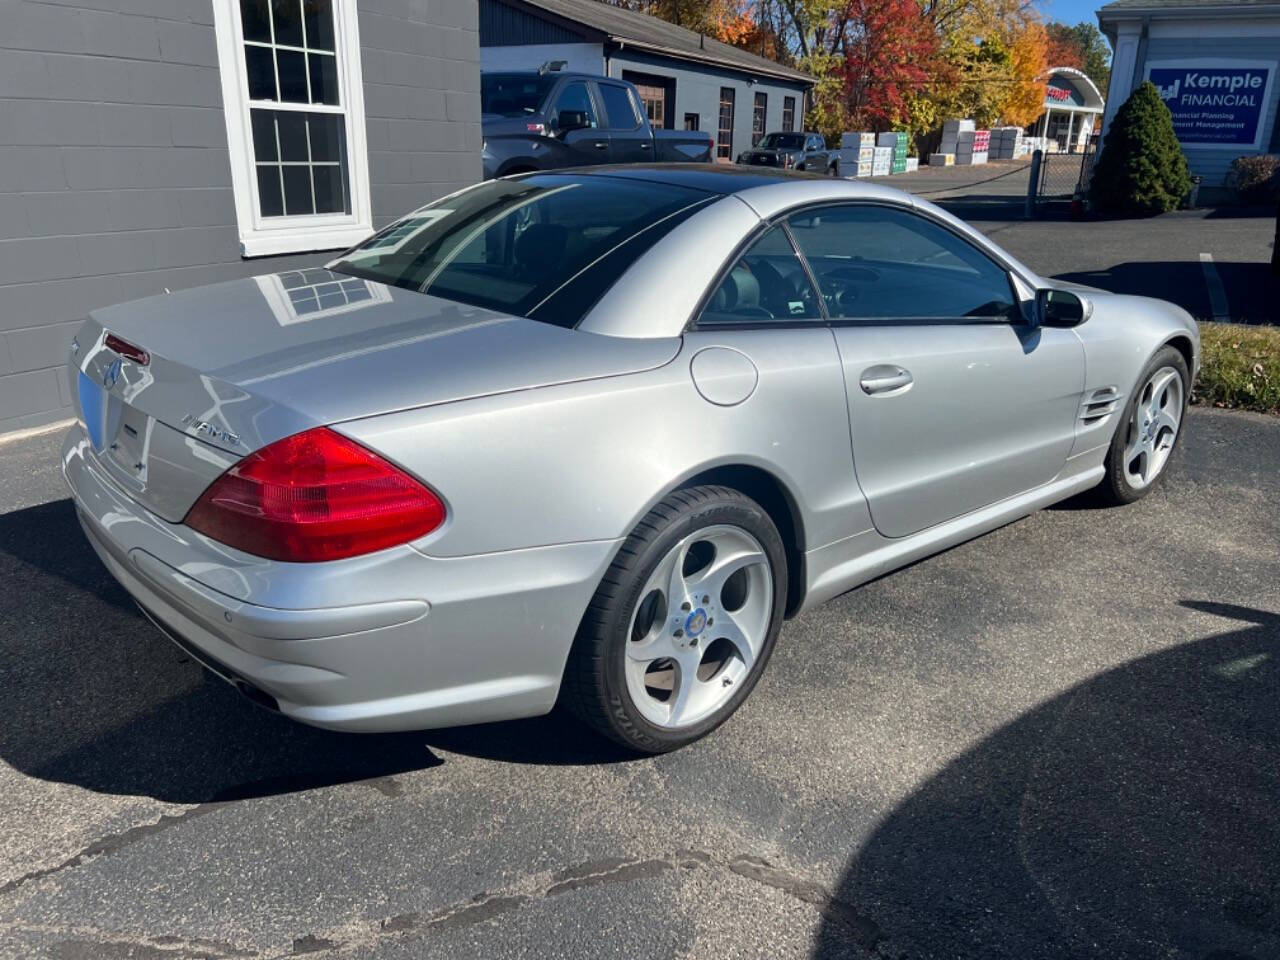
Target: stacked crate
<point>912,165</point>
<point>897,142</point>
<point>882,161</point>
<point>942,159</point>
<point>857,153</point>
<point>974,147</point>
<point>951,133</point>
<point>1006,143</point>
<point>856,141</point>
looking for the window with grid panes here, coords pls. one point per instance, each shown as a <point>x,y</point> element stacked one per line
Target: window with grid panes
<point>299,150</point>
<point>292,95</point>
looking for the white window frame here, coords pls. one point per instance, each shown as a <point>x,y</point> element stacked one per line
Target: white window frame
<point>267,236</point>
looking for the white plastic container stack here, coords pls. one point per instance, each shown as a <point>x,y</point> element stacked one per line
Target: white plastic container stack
<point>882,161</point>
<point>856,149</point>
<point>896,141</point>
<point>852,158</point>
<point>850,141</point>
<point>913,164</point>
<point>1032,144</point>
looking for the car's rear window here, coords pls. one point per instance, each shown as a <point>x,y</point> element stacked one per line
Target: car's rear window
<point>545,247</point>
<point>782,141</point>
<point>513,94</point>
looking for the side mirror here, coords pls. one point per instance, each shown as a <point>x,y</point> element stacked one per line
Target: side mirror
<point>570,120</point>
<point>1061,308</point>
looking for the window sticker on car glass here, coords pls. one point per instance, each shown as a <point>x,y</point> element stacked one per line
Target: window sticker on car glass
<point>796,307</point>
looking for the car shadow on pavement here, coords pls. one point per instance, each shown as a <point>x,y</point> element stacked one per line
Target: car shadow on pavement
<point>1131,816</point>
<point>95,696</point>
<point>1249,288</point>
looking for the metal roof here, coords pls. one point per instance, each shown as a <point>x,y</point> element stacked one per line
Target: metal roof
<point>1128,7</point>
<point>641,31</point>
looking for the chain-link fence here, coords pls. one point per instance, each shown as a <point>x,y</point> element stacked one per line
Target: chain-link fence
<point>1063,175</point>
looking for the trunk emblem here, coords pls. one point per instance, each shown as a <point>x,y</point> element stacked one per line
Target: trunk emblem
<point>217,434</point>
<point>112,373</point>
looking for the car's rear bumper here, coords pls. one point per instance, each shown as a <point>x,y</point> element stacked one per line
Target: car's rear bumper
<point>392,641</point>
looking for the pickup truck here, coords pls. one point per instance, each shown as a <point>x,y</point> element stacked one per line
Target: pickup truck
<point>792,151</point>
<point>544,119</point>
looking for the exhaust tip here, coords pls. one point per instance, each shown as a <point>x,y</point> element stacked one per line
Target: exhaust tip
<point>260,697</point>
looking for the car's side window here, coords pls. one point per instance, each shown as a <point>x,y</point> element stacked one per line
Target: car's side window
<point>574,96</point>
<point>767,284</point>
<point>619,108</point>
<point>879,264</point>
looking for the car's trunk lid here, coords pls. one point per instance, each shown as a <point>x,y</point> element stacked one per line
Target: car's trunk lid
<point>235,366</point>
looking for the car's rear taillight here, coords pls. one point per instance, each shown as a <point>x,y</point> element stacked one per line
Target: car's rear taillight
<point>315,496</point>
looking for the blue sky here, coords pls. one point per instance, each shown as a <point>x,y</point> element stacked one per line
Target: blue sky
<point>1070,11</point>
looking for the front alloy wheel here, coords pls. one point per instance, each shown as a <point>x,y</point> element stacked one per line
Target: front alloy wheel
<point>682,624</point>
<point>1145,440</point>
<point>1153,427</point>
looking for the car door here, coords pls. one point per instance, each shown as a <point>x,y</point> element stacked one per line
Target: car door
<point>766,362</point>
<point>815,153</point>
<point>955,400</point>
<point>629,138</point>
<point>589,144</point>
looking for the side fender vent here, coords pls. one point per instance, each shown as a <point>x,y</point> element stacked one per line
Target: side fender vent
<point>1099,404</point>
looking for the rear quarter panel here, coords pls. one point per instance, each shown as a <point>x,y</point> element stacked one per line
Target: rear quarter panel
<point>585,461</point>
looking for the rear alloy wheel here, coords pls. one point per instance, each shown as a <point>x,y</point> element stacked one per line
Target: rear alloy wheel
<point>684,622</point>
<point>1145,440</point>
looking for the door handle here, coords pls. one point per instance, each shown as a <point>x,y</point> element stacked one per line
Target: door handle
<point>645,146</point>
<point>601,144</point>
<point>885,378</point>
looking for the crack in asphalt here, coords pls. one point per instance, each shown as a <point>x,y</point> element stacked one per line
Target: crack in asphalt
<point>114,843</point>
<point>90,944</point>
<point>105,846</point>
<point>615,870</point>
<point>479,909</point>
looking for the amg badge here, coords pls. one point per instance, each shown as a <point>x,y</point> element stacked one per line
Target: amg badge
<point>217,434</point>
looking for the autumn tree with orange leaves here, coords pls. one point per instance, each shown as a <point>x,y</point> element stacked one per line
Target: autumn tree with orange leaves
<point>889,64</point>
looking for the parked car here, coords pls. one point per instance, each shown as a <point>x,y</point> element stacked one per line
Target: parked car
<point>588,434</point>
<point>792,151</point>
<point>545,120</point>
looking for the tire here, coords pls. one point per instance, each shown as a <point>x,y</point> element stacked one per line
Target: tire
<point>635,644</point>
<point>1122,483</point>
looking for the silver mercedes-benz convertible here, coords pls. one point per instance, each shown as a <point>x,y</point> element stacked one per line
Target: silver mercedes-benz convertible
<point>592,436</point>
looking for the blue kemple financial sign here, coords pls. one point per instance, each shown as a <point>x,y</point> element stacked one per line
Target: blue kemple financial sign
<point>1219,103</point>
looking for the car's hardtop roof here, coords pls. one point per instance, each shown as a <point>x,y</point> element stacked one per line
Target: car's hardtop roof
<point>708,177</point>
<point>553,74</point>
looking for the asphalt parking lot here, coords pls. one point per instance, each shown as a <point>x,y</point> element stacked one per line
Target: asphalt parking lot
<point>1214,262</point>
<point>1058,740</point>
